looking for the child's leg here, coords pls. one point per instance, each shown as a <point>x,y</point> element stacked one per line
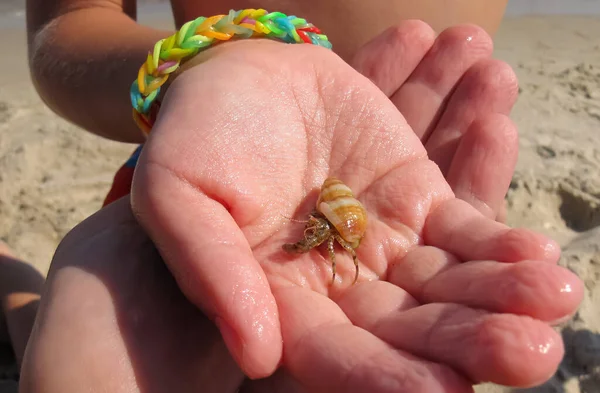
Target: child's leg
<point>20,291</point>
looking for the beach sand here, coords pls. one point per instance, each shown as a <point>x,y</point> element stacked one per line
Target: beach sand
<point>556,187</point>
<point>53,175</point>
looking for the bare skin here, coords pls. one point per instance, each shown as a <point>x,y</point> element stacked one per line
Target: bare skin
<point>59,43</point>
<point>65,35</point>
<point>60,33</point>
<point>419,331</point>
<point>485,108</point>
<point>326,120</point>
<point>20,292</point>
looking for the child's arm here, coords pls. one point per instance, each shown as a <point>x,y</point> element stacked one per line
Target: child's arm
<point>83,56</point>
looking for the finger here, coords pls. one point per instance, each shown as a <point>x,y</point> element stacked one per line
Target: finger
<point>419,266</point>
<point>390,58</point>
<point>424,95</point>
<point>358,299</point>
<point>488,87</point>
<point>484,162</point>
<point>537,289</point>
<point>457,227</point>
<point>213,265</point>
<point>326,353</point>
<point>501,348</point>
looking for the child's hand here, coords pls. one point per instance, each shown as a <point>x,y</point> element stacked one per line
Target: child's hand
<point>457,99</point>
<point>243,141</point>
<point>112,319</point>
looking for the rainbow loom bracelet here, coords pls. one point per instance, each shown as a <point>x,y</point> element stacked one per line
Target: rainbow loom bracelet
<point>200,34</point>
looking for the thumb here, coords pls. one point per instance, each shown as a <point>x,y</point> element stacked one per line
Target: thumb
<point>213,264</point>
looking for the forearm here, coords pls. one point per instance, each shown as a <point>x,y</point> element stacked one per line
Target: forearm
<point>83,63</point>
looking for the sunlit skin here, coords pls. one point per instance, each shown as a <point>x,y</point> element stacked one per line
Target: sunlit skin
<point>220,228</point>
<point>418,328</point>
<point>82,33</point>
<point>325,119</point>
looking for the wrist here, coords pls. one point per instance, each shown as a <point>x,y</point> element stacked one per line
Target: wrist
<point>170,55</point>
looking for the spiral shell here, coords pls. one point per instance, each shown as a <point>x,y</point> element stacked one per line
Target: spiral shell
<point>339,206</point>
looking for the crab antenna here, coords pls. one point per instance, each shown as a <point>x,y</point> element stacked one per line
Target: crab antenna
<point>293,219</point>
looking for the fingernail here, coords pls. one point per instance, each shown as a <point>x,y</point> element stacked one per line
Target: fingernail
<point>552,251</point>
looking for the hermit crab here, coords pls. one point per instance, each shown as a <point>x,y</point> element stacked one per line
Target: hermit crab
<point>340,217</point>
